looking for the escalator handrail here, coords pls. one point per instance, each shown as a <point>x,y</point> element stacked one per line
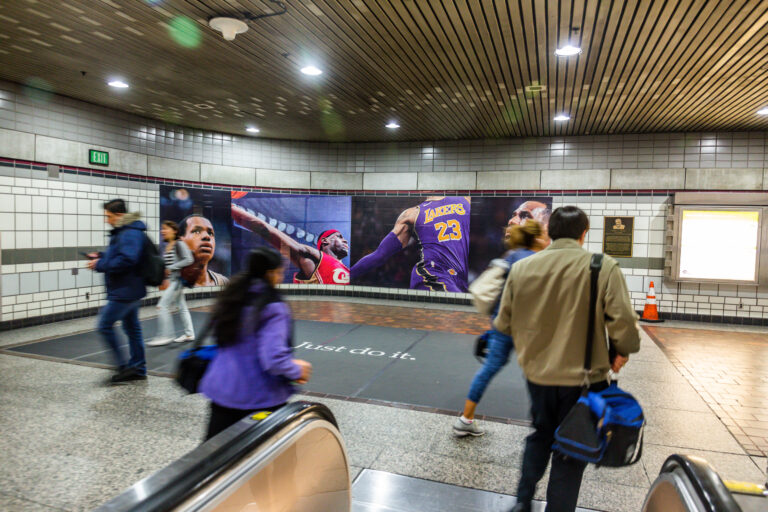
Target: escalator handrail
<point>705,480</point>
<point>171,485</point>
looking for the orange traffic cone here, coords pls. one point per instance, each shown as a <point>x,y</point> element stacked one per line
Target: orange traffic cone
<point>650,312</point>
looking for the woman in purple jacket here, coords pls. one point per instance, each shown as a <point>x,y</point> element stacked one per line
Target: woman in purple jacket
<point>254,369</point>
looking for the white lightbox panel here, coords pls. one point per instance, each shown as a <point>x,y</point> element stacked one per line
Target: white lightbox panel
<point>719,245</point>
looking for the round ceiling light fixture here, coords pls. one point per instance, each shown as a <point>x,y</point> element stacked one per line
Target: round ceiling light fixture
<point>568,51</point>
<point>763,112</point>
<point>118,84</point>
<point>392,125</point>
<point>561,118</point>
<point>252,129</point>
<point>229,27</point>
<point>311,70</point>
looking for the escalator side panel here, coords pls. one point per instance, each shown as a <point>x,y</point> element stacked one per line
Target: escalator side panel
<point>669,493</point>
<point>303,469</point>
<point>187,480</point>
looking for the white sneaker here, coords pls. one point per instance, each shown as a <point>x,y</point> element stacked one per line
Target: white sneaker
<point>461,429</point>
<point>159,342</point>
<point>183,338</point>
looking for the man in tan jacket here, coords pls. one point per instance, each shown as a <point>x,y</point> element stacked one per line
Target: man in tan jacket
<point>544,307</point>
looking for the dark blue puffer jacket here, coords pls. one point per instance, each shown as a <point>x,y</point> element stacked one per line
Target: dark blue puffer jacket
<point>121,262</point>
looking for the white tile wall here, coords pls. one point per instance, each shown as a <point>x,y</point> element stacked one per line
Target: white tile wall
<point>39,223</point>
<point>336,181</point>
<point>142,146</point>
<point>509,180</point>
<point>37,212</point>
<point>701,299</point>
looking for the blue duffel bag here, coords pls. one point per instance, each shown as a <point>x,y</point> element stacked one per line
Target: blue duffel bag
<point>192,365</point>
<point>604,428</point>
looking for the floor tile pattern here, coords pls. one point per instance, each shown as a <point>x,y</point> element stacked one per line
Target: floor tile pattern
<point>462,322</point>
<point>730,373</point>
<point>70,443</point>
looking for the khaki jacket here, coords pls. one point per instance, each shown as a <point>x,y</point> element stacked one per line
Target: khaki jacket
<point>544,307</point>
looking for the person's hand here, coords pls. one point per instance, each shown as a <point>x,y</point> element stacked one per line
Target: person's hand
<point>167,272</point>
<point>306,370</point>
<point>91,264</point>
<point>618,362</point>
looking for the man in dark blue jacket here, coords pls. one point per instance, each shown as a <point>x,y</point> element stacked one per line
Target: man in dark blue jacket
<point>121,265</point>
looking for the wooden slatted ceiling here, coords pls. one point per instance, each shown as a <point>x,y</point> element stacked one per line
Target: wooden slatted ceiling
<point>444,69</point>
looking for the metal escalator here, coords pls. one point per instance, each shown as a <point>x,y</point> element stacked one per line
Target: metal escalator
<point>690,484</point>
<point>294,460</point>
<point>291,460</point>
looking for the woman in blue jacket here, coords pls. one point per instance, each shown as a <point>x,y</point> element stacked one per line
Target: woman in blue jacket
<point>523,241</point>
<point>254,369</point>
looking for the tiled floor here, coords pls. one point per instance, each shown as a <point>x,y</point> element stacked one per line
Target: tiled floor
<point>363,363</point>
<point>729,370</point>
<point>463,321</point>
<point>69,443</point>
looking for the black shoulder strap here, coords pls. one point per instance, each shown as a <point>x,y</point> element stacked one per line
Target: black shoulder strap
<point>594,267</point>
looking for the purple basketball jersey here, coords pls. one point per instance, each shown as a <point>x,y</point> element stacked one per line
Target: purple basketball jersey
<point>442,231</point>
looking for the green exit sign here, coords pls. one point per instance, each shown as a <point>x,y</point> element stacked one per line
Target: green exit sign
<point>98,157</point>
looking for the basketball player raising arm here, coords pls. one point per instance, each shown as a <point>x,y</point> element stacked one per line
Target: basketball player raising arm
<point>321,265</point>
<point>395,241</point>
<point>440,226</point>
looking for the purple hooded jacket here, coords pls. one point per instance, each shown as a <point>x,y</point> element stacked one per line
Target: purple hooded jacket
<point>256,371</point>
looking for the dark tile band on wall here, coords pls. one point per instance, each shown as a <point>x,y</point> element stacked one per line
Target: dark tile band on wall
<point>45,255</point>
<point>644,263</point>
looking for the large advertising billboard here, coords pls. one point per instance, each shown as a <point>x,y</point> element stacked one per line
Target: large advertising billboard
<point>437,243</point>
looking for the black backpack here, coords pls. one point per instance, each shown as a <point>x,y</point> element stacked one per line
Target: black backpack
<point>152,263</point>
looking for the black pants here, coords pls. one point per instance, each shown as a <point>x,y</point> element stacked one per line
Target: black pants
<point>549,406</point>
<point>224,417</point>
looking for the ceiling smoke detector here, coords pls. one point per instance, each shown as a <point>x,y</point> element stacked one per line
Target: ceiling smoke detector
<point>229,27</point>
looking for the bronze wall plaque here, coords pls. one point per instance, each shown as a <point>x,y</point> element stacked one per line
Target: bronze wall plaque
<point>618,234</point>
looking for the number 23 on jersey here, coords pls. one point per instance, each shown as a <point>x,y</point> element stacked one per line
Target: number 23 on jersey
<point>450,230</point>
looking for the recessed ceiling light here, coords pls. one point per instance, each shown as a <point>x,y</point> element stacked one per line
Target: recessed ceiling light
<point>568,51</point>
<point>118,84</point>
<point>311,70</point>
<point>561,118</point>
<point>763,111</point>
<point>392,125</point>
<point>252,129</point>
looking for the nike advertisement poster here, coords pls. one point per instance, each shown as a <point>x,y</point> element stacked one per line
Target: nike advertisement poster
<point>434,243</point>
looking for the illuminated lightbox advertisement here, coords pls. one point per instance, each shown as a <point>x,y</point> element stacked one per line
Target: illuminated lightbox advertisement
<point>719,245</point>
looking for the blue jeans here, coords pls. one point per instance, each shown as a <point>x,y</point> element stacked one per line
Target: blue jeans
<point>128,312</point>
<point>499,347</point>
